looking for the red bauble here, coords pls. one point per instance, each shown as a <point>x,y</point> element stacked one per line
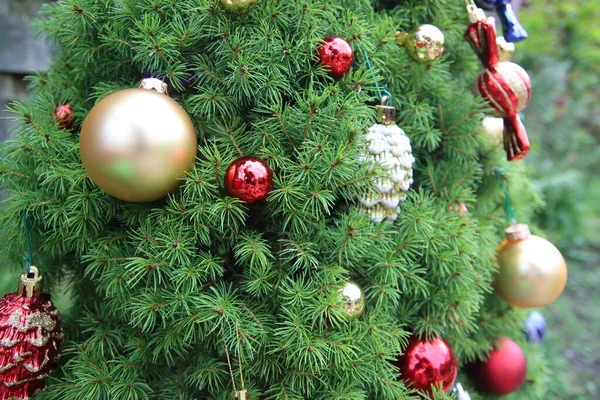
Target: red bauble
<point>249,179</point>
<point>30,336</point>
<point>504,371</point>
<point>64,116</point>
<point>424,364</point>
<point>504,85</point>
<point>336,55</point>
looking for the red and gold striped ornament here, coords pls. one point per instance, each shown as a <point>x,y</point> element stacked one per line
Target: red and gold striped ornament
<point>504,85</point>
<point>30,337</point>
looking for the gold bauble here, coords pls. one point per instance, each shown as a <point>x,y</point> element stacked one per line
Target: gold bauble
<point>353,299</point>
<point>237,6</point>
<point>137,144</point>
<point>532,271</point>
<point>493,128</point>
<point>425,44</point>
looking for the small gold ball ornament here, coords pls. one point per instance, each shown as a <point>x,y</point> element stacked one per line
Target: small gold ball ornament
<point>424,45</point>
<point>353,299</point>
<point>532,271</point>
<point>493,128</point>
<point>137,144</point>
<point>237,6</point>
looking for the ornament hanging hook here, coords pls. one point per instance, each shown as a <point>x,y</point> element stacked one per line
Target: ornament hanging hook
<point>475,13</point>
<point>29,254</point>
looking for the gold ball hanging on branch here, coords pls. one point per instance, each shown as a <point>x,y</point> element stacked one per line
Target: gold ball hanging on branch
<point>352,299</point>
<point>424,44</point>
<point>237,6</point>
<point>137,144</point>
<point>532,271</point>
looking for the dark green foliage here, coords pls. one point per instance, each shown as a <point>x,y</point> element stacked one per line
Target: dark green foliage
<point>163,291</point>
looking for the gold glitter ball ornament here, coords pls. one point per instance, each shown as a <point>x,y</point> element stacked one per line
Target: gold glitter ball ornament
<point>237,6</point>
<point>353,299</point>
<point>138,144</point>
<point>532,272</point>
<point>424,45</point>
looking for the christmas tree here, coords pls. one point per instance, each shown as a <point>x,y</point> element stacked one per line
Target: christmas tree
<point>255,242</point>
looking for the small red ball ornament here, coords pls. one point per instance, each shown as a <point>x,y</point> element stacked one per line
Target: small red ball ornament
<point>30,336</point>
<point>249,179</point>
<point>504,371</point>
<point>424,364</point>
<point>64,116</point>
<point>336,55</point>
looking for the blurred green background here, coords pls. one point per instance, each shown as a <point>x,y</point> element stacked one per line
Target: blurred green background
<point>562,56</point>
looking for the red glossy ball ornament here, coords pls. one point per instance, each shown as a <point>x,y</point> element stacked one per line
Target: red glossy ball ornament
<point>249,179</point>
<point>426,363</point>
<point>504,371</point>
<point>336,54</point>
<point>64,116</point>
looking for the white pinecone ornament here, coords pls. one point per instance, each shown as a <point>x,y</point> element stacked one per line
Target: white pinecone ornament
<point>388,146</point>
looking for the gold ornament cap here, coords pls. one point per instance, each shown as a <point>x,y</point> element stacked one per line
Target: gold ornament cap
<point>506,50</point>
<point>242,395</point>
<point>517,232</point>
<point>155,85</point>
<point>30,284</point>
<point>386,114</point>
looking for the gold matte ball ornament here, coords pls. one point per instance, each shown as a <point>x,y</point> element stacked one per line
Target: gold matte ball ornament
<point>532,271</point>
<point>237,6</point>
<point>424,45</point>
<point>138,144</point>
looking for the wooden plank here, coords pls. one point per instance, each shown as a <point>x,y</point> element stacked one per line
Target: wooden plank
<point>20,52</point>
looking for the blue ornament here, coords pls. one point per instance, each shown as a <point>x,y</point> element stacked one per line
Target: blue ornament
<point>535,327</point>
<point>513,31</point>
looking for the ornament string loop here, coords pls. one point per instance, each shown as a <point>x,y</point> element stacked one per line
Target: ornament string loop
<point>29,254</point>
<point>242,393</point>
<point>380,92</point>
<point>509,209</point>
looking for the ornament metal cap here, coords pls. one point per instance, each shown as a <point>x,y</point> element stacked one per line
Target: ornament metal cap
<point>386,114</point>
<point>154,84</point>
<point>517,232</point>
<point>242,395</point>
<point>30,284</point>
<point>506,50</point>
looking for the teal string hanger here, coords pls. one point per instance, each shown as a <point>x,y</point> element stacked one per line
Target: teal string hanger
<point>380,92</point>
<point>28,253</point>
<point>509,209</point>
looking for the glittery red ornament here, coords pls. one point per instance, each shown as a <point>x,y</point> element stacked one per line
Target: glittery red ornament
<point>504,85</point>
<point>249,179</point>
<point>336,55</point>
<point>503,372</point>
<point>30,336</point>
<point>424,364</point>
<point>64,116</point>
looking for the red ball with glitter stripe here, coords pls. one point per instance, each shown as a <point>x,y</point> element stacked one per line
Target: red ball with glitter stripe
<point>506,87</point>
<point>30,337</point>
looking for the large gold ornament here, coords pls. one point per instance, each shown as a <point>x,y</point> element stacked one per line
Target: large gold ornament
<point>424,45</point>
<point>353,299</point>
<point>237,6</point>
<point>137,144</point>
<point>532,271</point>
